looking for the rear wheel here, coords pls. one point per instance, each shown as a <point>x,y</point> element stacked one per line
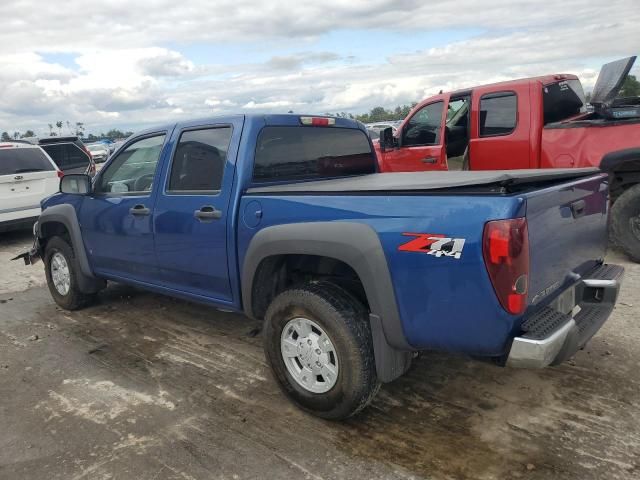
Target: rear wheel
<point>62,275</point>
<point>317,340</point>
<point>625,222</point>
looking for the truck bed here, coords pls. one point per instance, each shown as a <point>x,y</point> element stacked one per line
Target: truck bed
<point>424,181</point>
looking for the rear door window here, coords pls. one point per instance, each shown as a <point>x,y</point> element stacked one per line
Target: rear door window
<point>299,153</point>
<point>498,114</point>
<point>23,160</point>
<point>199,161</point>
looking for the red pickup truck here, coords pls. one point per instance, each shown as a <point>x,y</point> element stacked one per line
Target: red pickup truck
<point>540,122</point>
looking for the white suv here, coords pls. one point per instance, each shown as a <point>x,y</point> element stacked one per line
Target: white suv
<point>27,175</point>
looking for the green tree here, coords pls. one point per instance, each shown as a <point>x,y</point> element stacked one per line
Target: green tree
<point>29,133</point>
<point>630,87</point>
<point>5,137</point>
<point>51,129</point>
<point>59,125</point>
<point>16,135</point>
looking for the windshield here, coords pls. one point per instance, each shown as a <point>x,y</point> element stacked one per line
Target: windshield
<point>563,100</point>
<point>23,160</point>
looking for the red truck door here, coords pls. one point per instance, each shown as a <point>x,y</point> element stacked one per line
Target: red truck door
<point>421,141</point>
<point>500,124</point>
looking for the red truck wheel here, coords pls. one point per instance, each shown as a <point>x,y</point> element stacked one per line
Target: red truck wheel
<point>625,222</point>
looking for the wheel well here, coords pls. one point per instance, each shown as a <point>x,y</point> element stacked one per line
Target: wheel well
<point>621,180</point>
<point>53,229</point>
<point>279,272</point>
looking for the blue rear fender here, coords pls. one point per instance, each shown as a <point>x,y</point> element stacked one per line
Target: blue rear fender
<point>444,302</point>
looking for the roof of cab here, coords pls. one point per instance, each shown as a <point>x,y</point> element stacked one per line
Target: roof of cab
<point>278,119</point>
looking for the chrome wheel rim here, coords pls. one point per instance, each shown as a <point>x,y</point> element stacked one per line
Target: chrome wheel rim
<point>309,355</point>
<point>60,274</point>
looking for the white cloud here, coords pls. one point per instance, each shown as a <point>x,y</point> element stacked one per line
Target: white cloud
<point>123,73</point>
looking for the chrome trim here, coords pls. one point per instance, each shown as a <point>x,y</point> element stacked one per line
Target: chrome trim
<point>529,353</point>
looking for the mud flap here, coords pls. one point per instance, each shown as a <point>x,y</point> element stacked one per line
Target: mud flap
<point>390,362</point>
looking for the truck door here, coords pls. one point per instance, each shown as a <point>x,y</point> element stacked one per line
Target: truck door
<point>116,217</point>
<point>500,130</point>
<point>192,218</point>
<point>421,142</point>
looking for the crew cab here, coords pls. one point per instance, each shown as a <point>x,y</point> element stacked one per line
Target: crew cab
<point>539,122</point>
<point>284,218</point>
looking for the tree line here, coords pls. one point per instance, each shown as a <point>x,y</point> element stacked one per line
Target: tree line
<point>76,129</point>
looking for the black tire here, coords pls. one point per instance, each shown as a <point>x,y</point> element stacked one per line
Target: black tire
<point>74,298</point>
<point>345,320</point>
<point>625,222</point>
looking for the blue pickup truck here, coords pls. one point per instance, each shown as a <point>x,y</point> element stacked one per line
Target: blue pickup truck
<point>284,218</point>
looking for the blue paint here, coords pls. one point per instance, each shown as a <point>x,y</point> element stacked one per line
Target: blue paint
<point>444,303</point>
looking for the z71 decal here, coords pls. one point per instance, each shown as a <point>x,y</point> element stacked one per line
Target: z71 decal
<point>433,244</point>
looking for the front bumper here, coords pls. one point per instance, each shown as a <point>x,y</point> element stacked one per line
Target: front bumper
<point>551,336</point>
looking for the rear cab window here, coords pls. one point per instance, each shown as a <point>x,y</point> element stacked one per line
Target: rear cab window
<point>562,100</point>
<point>310,153</point>
<point>23,160</point>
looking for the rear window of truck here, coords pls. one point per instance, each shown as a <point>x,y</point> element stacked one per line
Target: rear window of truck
<point>562,100</point>
<point>23,160</point>
<point>300,153</point>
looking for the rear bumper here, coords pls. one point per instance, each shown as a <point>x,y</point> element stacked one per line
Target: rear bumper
<point>552,337</point>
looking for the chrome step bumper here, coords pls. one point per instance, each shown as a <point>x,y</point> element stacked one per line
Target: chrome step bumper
<point>552,337</point>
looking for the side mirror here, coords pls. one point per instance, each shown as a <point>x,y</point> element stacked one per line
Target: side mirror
<point>75,183</point>
<point>387,140</point>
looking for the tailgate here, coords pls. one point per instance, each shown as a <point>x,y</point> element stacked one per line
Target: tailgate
<point>25,190</point>
<point>567,233</point>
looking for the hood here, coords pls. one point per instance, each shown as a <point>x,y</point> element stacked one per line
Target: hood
<point>610,79</point>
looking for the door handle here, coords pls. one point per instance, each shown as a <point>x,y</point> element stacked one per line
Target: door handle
<point>139,210</point>
<point>207,213</point>
<point>429,160</point>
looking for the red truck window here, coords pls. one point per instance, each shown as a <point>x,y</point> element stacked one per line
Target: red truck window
<point>424,127</point>
<point>562,100</point>
<point>498,113</point>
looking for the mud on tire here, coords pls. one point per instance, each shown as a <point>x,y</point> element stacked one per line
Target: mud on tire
<point>345,320</point>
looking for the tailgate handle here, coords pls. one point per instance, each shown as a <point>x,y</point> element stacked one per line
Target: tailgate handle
<point>578,208</point>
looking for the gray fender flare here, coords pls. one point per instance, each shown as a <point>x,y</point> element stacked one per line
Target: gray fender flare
<point>357,245</point>
<point>616,160</point>
<point>66,215</point>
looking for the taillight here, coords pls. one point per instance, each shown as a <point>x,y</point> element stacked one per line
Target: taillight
<point>60,173</point>
<point>92,169</point>
<point>505,248</point>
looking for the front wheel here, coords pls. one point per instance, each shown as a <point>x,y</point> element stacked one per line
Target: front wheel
<point>62,276</point>
<point>625,222</point>
<point>317,340</point>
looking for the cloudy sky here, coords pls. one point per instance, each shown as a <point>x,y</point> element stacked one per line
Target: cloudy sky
<point>133,63</point>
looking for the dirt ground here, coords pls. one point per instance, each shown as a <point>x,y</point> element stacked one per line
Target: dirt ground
<point>146,387</point>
